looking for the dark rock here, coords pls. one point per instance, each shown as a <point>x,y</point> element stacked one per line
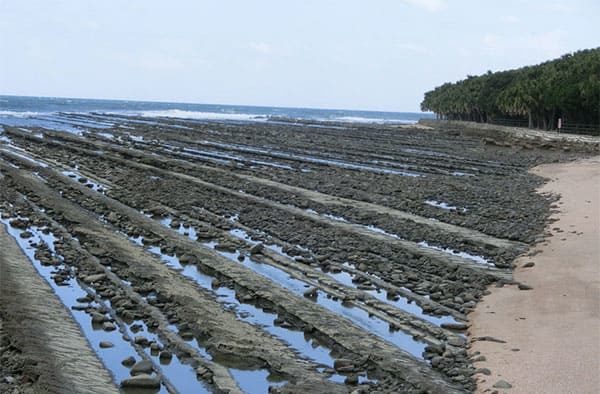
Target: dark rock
<point>529,264</point>
<point>351,380</point>
<point>311,293</point>
<point>484,371</point>
<point>108,326</point>
<point>106,344</point>
<point>141,367</point>
<point>256,249</point>
<point>343,365</point>
<point>455,326</point>
<point>457,341</point>
<point>502,384</point>
<point>142,381</point>
<point>489,339</point>
<point>129,361</point>
<point>523,286</point>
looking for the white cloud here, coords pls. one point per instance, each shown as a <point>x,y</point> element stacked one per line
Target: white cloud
<point>429,5</point>
<point>261,47</point>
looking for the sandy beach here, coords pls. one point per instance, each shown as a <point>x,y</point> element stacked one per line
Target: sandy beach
<point>547,339</point>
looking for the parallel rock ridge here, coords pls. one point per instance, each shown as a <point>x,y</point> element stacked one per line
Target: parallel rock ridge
<point>256,257</point>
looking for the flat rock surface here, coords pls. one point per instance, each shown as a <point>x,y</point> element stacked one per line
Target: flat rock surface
<point>64,361</point>
<point>555,326</point>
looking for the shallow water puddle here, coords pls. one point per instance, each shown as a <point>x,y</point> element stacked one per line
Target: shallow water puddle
<point>345,278</point>
<point>443,205</point>
<point>473,257</point>
<point>85,181</point>
<point>313,159</point>
<point>298,287</point>
<point>68,295</point>
<point>423,244</point>
<point>249,313</point>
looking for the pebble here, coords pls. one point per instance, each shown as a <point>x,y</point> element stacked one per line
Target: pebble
<point>502,384</point>
<point>141,367</point>
<point>129,361</point>
<point>141,381</point>
<point>106,344</point>
<point>108,326</point>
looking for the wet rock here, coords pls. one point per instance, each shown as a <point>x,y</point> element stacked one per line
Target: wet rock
<point>165,356</point>
<point>129,361</point>
<point>141,367</point>
<point>26,234</point>
<point>351,380</point>
<point>483,371</point>
<point>204,373</point>
<point>502,384</point>
<point>141,381</point>
<point>457,341</point>
<point>488,339</point>
<point>455,326</point>
<point>257,249</point>
<point>343,365</point>
<point>311,293</point>
<point>19,223</point>
<point>106,344</point>
<point>140,340</point>
<point>108,326</point>
<point>98,318</point>
<point>94,278</point>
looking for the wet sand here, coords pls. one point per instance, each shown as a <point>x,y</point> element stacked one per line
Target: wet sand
<point>552,332</point>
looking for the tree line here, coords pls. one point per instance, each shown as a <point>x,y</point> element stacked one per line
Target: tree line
<point>567,88</point>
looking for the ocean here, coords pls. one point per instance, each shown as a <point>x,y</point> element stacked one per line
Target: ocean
<point>48,112</point>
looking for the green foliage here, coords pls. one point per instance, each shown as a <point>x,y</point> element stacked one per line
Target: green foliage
<point>567,88</point>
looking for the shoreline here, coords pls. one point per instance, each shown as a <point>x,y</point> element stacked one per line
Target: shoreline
<point>551,333</point>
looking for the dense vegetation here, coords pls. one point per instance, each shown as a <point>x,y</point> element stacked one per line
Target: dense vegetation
<point>566,88</point>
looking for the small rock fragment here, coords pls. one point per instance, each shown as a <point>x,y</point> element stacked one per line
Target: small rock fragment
<point>141,381</point>
<point>502,384</point>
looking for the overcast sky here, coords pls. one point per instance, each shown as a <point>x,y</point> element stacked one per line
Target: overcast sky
<point>352,54</point>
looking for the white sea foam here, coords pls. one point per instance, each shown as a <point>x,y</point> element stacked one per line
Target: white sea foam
<point>177,113</point>
<point>20,114</point>
<point>359,119</point>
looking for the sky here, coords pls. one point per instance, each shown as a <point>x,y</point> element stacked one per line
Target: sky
<point>340,54</point>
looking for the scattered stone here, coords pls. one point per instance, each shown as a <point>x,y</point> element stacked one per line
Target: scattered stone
<point>106,344</point>
<point>524,287</point>
<point>502,384</point>
<point>351,380</point>
<point>94,278</point>
<point>165,356</point>
<point>108,326</point>
<point>489,339</point>
<point>141,381</point>
<point>26,234</point>
<point>140,340</point>
<point>343,365</point>
<point>311,293</point>
<point>457,341</point>
<point>129,361</point>
<point>455,326</point>
<point>483,371</point>
<point>257,249</point>
<point>141,367</point>
<point>529,264</point>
